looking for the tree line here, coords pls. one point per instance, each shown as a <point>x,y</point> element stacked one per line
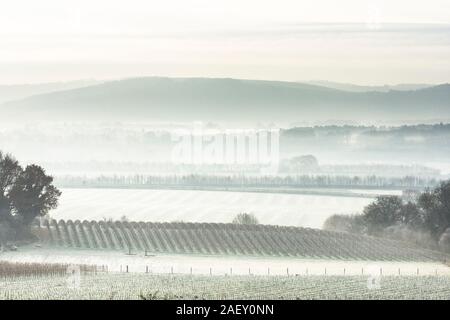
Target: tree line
<point>424,220</point>
<point>239,180</point>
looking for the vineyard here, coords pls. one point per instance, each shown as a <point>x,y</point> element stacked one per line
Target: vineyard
<point>147,286</point>
<point>12,270</point>
<point>226,240</point>
<point>8,270</point>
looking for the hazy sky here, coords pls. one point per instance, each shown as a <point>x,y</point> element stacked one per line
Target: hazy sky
<point>367,42</point>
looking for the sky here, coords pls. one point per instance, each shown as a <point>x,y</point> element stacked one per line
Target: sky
<point>353,41</point>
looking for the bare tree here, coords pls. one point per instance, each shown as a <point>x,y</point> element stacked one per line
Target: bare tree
<point>245,218</point>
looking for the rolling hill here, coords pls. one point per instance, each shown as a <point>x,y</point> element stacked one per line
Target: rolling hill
<point>227,100</point>
<point>226,239</point>
<point>361,88</point>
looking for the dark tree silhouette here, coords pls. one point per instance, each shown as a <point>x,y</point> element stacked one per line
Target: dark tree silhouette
<point>436,206</point>
<point>382,213</point>
<point>33,194</point>
<point>24,194</point>
<point>411,215</point>
<point>9,172</point>
<point>425,221</point>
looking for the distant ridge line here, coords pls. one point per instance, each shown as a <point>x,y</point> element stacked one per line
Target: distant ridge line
<point>227,100</point>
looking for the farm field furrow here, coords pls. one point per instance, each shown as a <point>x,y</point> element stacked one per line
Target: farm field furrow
<point>252,240</point>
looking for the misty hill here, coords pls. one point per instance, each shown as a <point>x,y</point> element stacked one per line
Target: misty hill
<point>21,91</point>
<point>228,100</point>
<point>359,88</point>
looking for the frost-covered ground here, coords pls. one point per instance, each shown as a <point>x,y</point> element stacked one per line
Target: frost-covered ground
<point>216,265</point>
<point>124,276</point>
<point>203,206</point>
<point>121,286</point>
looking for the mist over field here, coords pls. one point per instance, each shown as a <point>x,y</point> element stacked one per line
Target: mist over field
<point>195,150</point>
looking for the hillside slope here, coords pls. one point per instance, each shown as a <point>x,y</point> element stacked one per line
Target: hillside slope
<point>227,239</point>
<point>362,88</point>
<point>228,100</point>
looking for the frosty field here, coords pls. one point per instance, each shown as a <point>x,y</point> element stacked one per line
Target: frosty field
<point>121,276</point>
<point>146,286</point>
<point>222,265</point>
<point>203,206</point>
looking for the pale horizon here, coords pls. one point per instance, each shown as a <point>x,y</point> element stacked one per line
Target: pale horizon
<point>193,76</point>
<point>358,42</point>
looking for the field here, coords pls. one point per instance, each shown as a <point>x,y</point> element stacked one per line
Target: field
<point>115,261</point>
<point>17,269</point>
<point>148,286</point>
<point>225,239</point>
<point>203,206</point>
<point>185,260</point>
<point>143,260</point>
<point>180,260</point>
